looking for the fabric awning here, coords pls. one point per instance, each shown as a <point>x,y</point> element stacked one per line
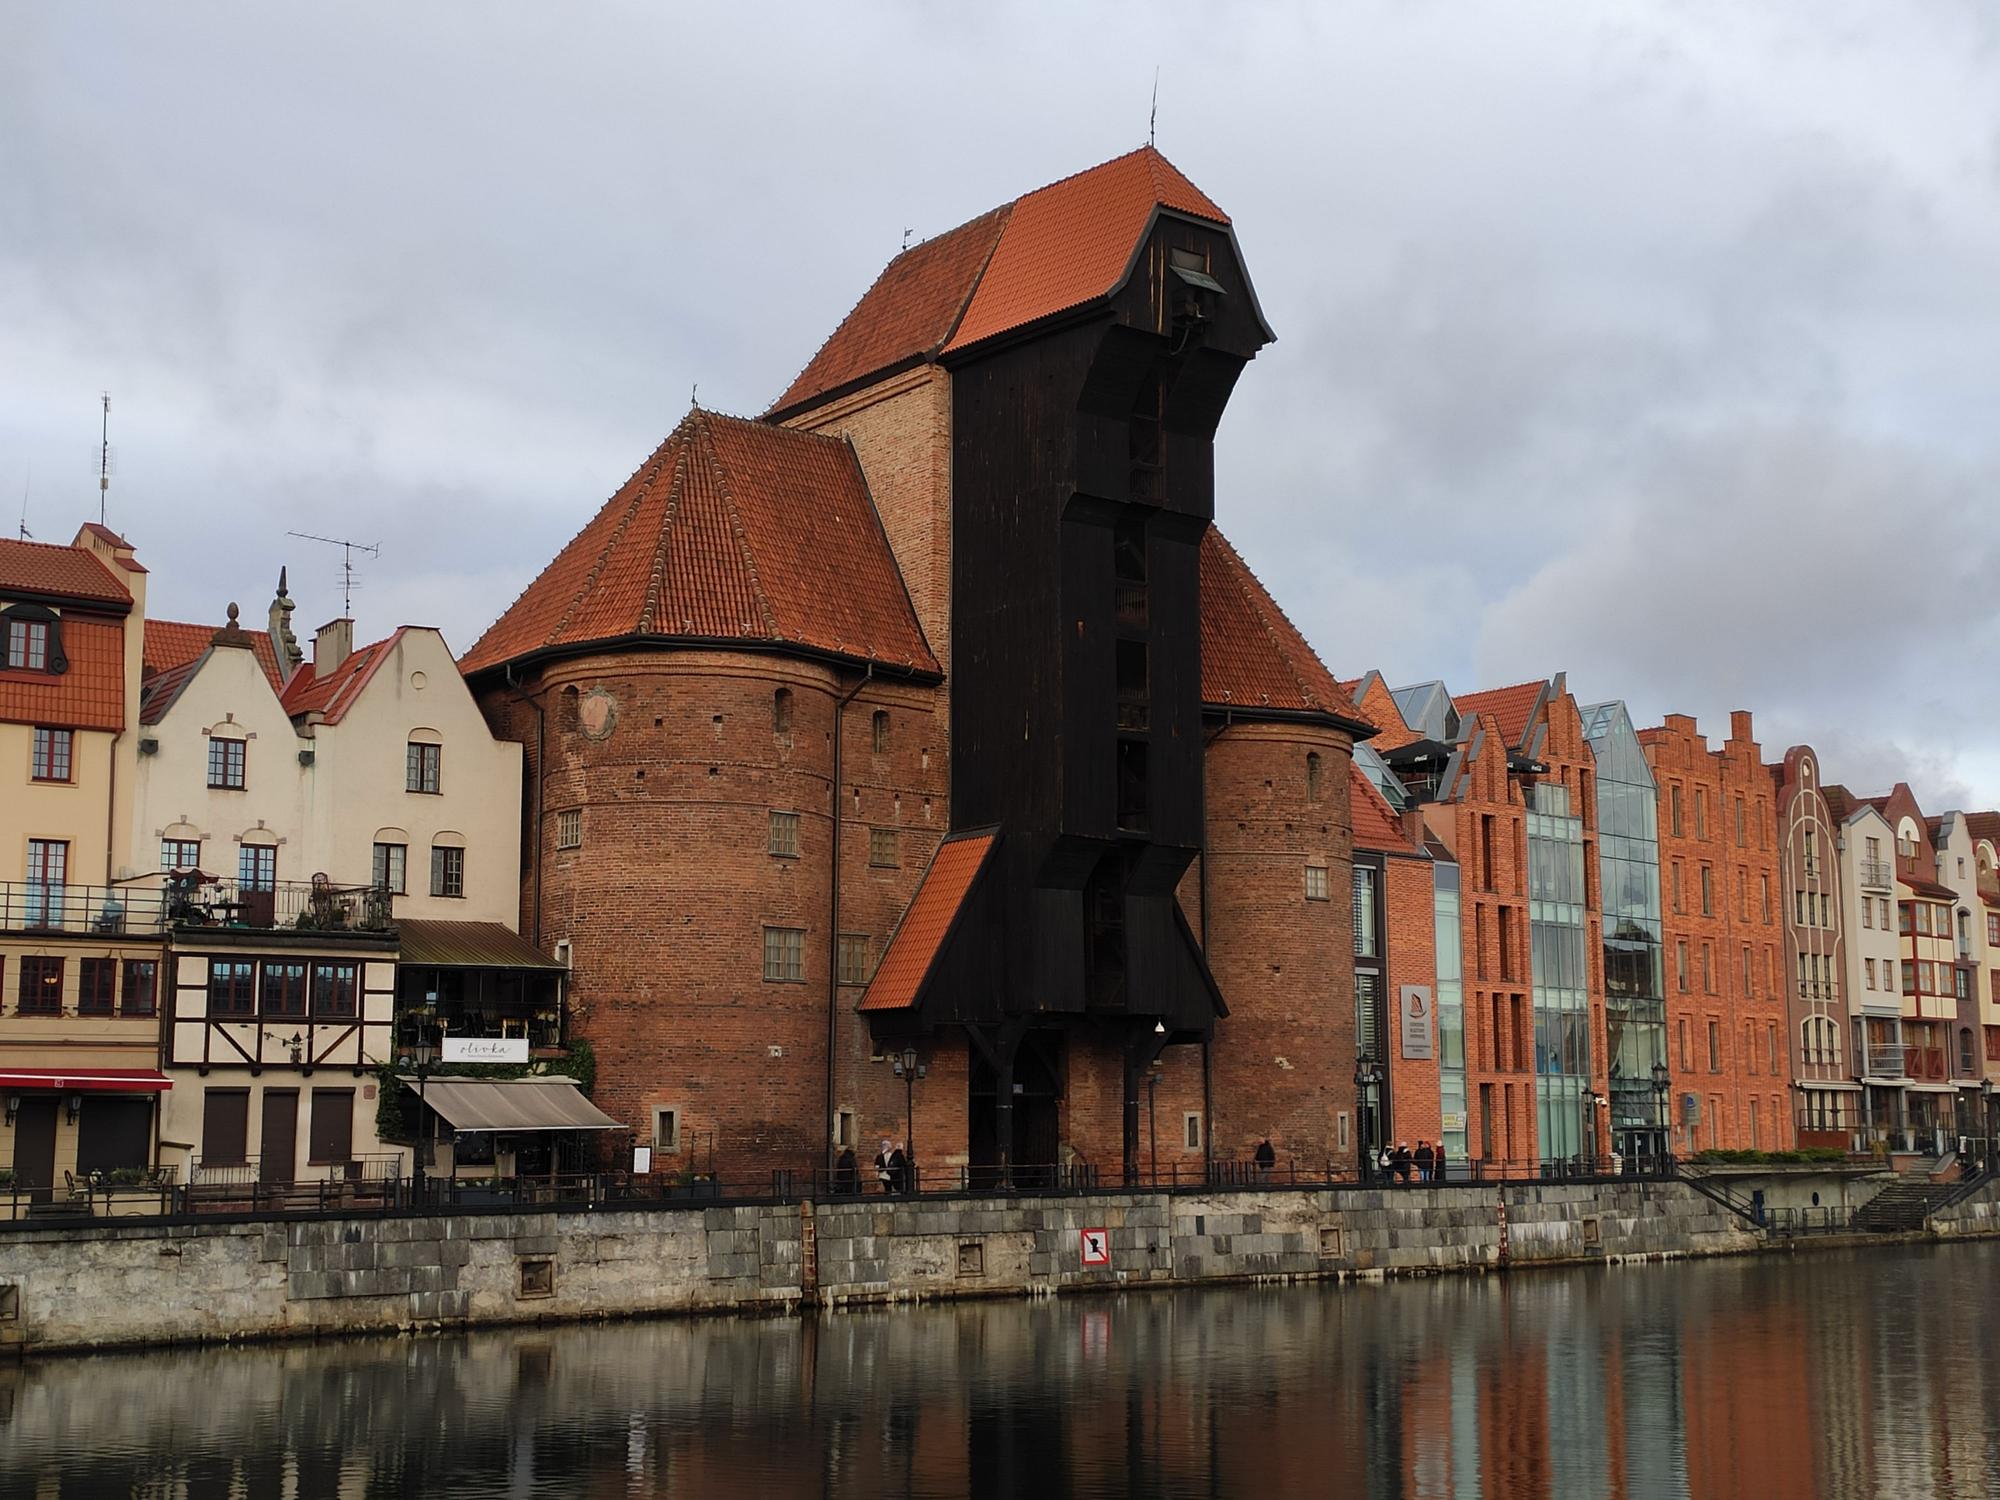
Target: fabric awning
<point>87,1080</point>
<point>517,1104</point>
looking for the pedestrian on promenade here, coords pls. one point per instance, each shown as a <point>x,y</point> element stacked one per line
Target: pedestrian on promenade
<point>901,1171</point>
<point>1426,1160</point>
<point>846,1173</point>
<point>1403,1162</point>
<point>885,1166</point>
<point>1265,1158</point>
<point>1386,1162</point>
<point>1437,1161</point>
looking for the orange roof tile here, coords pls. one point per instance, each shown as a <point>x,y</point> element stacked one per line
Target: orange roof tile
<point>732,531</point>
<point>332,695</point>
<point>900,975</point>
<point>1375,824</point>
<point>1510,706</point>
<point>1251,655</point>
<point>90,695</point>
<point>59,573</point>
<point>1984,825</point>
<point>1052,250</point>
<point>173,643</point>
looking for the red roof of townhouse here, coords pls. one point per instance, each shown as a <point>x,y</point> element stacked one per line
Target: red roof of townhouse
<point>334,694</point>
<point>900,976</point>
<point>733,530</point>
<point>48,571</point>
<point>90,692</point>
<point>1376,826</point>
<point>1510,707</point>
<point>1048,252</point>
<point>1251,655</point>
<point>175,643</point>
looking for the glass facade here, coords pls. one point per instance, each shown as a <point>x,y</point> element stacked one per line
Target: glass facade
<point>1450,1006</point>
<point>1559,939</point>
<point>1628,867</point>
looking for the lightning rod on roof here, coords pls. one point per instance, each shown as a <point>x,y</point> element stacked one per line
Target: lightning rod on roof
<point>907,232</point>
<point>1153,115</point>
<point>347,551</point>
<point>104,457</point>
<point>27,481</point>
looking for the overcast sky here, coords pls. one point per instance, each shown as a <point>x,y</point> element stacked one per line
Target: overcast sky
<point>1659,344</point>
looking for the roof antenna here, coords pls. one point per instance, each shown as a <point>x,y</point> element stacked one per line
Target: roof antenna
<point>1153,116</point>
<point>906,237</point>
<point>694,394</point>
<point>27,481</point>
<point>347,551</point>
<point>104,459</point>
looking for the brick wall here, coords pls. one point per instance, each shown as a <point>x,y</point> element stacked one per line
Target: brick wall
<point>1415,1113</point>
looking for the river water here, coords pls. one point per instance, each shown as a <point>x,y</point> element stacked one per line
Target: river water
<point>1859,1373</point>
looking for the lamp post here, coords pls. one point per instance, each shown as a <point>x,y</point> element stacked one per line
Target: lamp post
<point>909,1069</point>
<point>1662,1079</point>
<point>1367,1080</point>
<point>1986,1124</point>
<point>1592,1101</point>
<point>422,1058</point>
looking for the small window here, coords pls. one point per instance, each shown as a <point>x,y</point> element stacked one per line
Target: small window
<point>333,991</point>
<point>225,764</point>
<point>878,731</point>
<point>447,871</point>
<point>97,986</point>
<point>538,1278</point>
<point>569,829</point>
<point>28,645</point>
<point>142,987</point>
<point>1317,888</point>
<point>666,1129</point>
<point>1191,1131</point>
<point>882,847</point>
<point>843,1127</point>
<point>1868,971</point>
<point>41,986</point>
<point>180,854</point>
<point>854,958</point>
<point>52,754</point>
<point>392,868</point>
<point>423,767</point>
<point>284,989</point>
<point>781,711</point>
<point>1715,1046</point>
<point>785,834</point>
<point>1312,776</point>
<point>785,955</point>
<point>1707,891</point>
<point>232,987</point>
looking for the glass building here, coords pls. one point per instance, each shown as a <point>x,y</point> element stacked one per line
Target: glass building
<point>1558,937</point>
<point>1450,1005</point>
<point>1628,867</point>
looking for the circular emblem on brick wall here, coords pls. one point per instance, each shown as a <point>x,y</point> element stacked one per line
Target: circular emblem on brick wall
<point>597,714</point>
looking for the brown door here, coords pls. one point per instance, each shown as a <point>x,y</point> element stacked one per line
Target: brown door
<point>35,1146</point>
<point>281,1136</point>
<point>332,1139</point>
<point>225,1128</point>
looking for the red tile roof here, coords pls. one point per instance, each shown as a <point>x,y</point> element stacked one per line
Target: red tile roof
<point>732,531</point>
<point>333,695</point>
<point>90,695</point>
<point>900,975</point>
<point>1925,887</point>
<point>1984,825</point>
<point>173,643</point>
<point>1510,706</point>
<point>1841,804</point>
<point>60,573</point>
<point>1376,826</point>
<point>1251,655</point>
<point>1054,249</point>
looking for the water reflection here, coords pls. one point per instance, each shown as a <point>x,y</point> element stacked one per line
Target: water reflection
<point>1856,1374</point>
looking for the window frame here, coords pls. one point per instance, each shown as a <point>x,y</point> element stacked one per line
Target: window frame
<point>784,838</point>
<point>326,979</point>
<point>135,998</point>
<point>293,990</point>
<point>1320,888</point>
<point>40,965</point>
<point>381,857</point>
<point>569,828</point>
<point>423,768</point>
<point>180,846</point>
<point>52,747</point>
<point>447,871</point>
<point>784,954</point>
<point>234,762</point>
<point>217,991</point>
<point>851,959</point>
<point>884,848</point>
<point>97,986</point>
<point>38,638</point>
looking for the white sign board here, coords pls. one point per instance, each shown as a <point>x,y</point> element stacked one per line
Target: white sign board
<point>1096,1247</point>
<point>1419,1035</point>
<point>642,1160</point>
<point>486,1049</point>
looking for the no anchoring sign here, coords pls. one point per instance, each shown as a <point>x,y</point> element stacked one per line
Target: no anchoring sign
<point>1096,1247</point>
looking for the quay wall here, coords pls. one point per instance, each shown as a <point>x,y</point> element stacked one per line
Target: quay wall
<point>138,1283</point>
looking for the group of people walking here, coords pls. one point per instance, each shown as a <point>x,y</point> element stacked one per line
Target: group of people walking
<point>1400,1164</point>
<point>895,1172</point>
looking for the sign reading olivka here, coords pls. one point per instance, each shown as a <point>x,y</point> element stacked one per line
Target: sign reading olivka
<point>1419,1035</point>
<point>485,1049</point>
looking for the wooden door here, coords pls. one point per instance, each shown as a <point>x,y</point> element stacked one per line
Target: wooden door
<point>225,1128</point>
<point>281,1136</point>
<point>35,1146</point>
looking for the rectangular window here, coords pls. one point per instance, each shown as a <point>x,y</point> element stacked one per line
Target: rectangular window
<point>1674,802</point>
<point>1486,850</point>
<point>1700,813</point>
<point>882,848</point>
<point>28,645</point>
<point>1707,892</point>
<point>333,991</point>
<point>1190,1131</point>
<point>1739,823</point>
<point>1825,910</point>
<point>1993,929</point>
<point>1909,976</point>
<point>1749,978</point>
<point>1867,912</point>
<point>284,989</point>
<point>97,986</point>
<point>1685,1065</point>
<point>569,829</point>
<point>1317,888</point>
<point>1715,1046</point>
<point>1753,1124</point>
<point>330,1134</point>
<point>447,870</point>
<point>225,764</point>
<point>1707,970</point>
<point>392,868</point>
<point>1681,965</point>
<point>48,873</point>
<point>666,1129</point>
<point>142,987</point>
<point>232,987</point>
<point>180,854</point>
<point>1868,971</point>
<point>1771,1046</point>
<point>422,765</point>
<point>785,955</point>
<point>52,754</point>
<point>1764,895</point>
<point>41,986</point>
<point>854,958</point>
<point>1365,902</point>
<point>257,867</point>
<point>785,834</point>
<point>1677,886</point>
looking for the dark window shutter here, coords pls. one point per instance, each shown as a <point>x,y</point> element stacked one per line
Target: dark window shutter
<point>332,1138</point>
<point>225,1127</point>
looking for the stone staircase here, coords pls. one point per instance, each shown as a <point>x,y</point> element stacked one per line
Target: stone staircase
<point>1904,1205</point>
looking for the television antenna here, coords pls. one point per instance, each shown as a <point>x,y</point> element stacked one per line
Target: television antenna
<point>347,551</point>
<point>104,457</point>
<point>27,483</point>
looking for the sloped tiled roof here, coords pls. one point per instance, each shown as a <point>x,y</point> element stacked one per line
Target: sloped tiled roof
<point>732,531</point>
<point>1047,252</point>
<point>90,695</point>
<point>332,695</point>
<point>900,975</point>
<point>54,572</point>
<point>174,643</point>
<point>1251,655</point>
<point>1984,825</point>
<point>1509,706</point>
<point>1375,825</point>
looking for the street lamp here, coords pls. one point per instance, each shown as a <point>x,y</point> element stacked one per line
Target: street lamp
<point>1367,1080</point>
<point>909,1069</point>
<point>1662,1079</point>
<point>1591,1101</point>
<point>422,1059</point>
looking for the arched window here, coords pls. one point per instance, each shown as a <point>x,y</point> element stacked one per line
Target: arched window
<point>879,731</point>
<point>1312,776</point>
<point>781,711</point>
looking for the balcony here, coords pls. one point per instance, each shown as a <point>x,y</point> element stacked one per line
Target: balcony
<point>1877,875</point>
<point>1885,1060</point>
<point>85,910</point>
<point>316,906</point>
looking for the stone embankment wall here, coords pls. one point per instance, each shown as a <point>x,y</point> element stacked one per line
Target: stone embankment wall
<point>136,1283</point>
<point>1978,1214</point>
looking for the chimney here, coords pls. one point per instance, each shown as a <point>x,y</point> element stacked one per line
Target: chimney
<point>333,643</point>
<point>1739,725</point>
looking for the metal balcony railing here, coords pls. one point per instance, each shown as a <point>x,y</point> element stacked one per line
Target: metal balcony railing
<point>1885,1060</point>
<point>54,906</point>
<point>1877,875</point>
<point>310,905</point>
